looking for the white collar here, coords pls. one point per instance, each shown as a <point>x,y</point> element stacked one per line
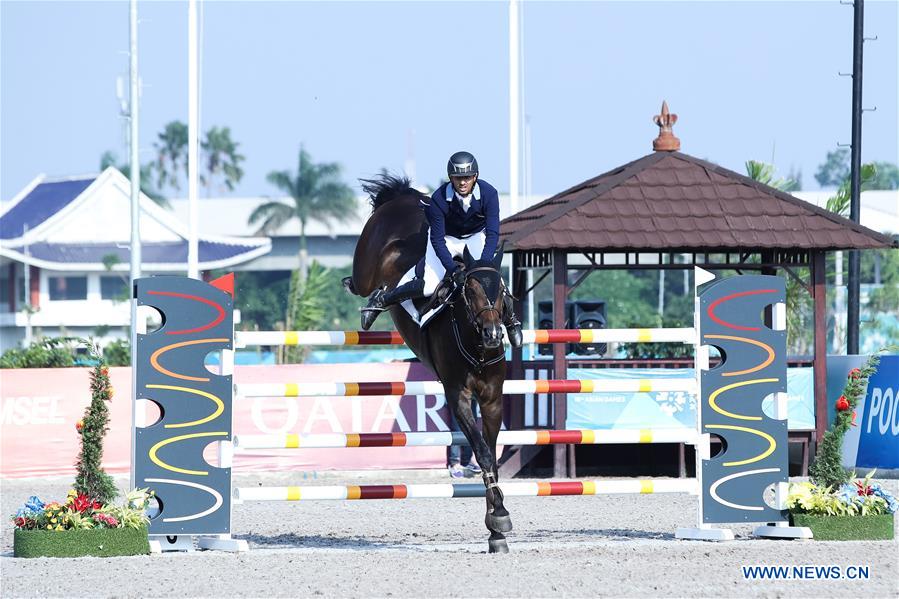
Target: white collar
<point>451,192</point>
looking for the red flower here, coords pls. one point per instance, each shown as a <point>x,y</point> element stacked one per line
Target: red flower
<point>79,426</point>
<point>109,521</point>
<point>855,373</point>
<point>842,403</point>
<point>97,505</point>
<point>863,489</point>
<point>104,371</point>
<point>81,502</point>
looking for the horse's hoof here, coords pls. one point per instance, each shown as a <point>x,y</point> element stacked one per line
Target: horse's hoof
<point>497,546</point>
<point>498,523</point>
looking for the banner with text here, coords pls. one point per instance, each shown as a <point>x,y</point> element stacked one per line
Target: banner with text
<point>40,407</point>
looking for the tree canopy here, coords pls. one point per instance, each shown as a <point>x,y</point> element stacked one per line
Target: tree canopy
<point>219,157</point>
<point>317,193</point>
<point>834,171</point>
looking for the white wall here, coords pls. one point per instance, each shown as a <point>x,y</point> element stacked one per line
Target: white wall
<point>67,317</point>
<point>89,312</point>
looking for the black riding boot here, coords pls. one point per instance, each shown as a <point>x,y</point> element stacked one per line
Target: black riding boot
<point>381,300</point>
<point>513,327</point>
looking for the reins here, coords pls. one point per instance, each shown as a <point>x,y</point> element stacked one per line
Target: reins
<point>480,362</point>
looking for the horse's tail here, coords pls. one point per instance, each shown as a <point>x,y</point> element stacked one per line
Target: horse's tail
<point>386,187</point>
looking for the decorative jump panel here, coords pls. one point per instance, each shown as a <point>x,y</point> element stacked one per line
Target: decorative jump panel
<point>753,366</point>
<point>194,404</point>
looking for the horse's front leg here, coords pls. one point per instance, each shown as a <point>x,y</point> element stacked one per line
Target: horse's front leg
<point>498,520</point>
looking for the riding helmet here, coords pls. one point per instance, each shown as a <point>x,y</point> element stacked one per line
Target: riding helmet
<point>462,164</point>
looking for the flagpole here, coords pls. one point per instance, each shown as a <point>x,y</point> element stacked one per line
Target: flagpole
<point>133,112</point>
<point>193,270</point>
<point>514,123</point>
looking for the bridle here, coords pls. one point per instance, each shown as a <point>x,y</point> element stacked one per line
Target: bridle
<point>480,362</point>
<point>469,310</point>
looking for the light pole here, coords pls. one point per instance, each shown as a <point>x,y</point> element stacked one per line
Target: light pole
<point>852,307</point>
<point>133,113</point>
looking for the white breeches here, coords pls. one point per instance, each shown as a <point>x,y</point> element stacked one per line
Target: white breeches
<point>434,270</point>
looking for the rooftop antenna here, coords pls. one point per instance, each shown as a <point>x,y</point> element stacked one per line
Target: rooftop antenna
<point>123,111</point>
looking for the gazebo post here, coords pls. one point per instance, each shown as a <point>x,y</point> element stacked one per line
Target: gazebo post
<point>820,342</point>
<point>560,370</point>
<point>519,288</point>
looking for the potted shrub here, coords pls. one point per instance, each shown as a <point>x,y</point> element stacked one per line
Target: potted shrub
<point>861,510</point>
<point>80,527</point>
<point>833,504</point>
<point>87,522</point>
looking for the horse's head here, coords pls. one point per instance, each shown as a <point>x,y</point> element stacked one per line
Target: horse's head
<point>483,297</point>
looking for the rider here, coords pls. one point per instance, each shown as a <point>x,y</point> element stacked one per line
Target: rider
<point>463,213</point>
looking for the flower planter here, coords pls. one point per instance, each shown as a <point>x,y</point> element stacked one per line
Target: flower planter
<point>98,542</point>
<point>847,528</point>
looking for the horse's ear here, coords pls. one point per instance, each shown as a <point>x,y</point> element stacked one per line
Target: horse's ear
<point>467,257</point>
<point>498,257</point>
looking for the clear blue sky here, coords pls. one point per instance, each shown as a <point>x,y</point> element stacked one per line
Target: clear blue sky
<point>351,80</point>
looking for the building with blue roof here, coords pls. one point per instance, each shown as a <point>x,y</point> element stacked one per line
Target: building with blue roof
<point>65,255</point>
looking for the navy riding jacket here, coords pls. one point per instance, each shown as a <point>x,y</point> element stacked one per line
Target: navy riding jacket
<point>447,217</point>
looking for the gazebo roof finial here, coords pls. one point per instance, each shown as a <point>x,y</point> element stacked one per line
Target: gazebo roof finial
<point>666,141</point>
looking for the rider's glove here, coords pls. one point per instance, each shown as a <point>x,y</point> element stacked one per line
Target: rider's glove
<point>457,276</point>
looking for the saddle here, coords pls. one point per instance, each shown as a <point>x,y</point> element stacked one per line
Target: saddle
<point>440,297</point>
<point>425,308</point>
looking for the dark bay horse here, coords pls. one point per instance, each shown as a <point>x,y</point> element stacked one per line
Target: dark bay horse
<point>463,344</point>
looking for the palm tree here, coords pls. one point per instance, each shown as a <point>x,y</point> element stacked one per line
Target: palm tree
<point>839,202</point>
<point>221,158</point>
<point>764,173</point>
<point>317,193</point>
<point>171,155</point>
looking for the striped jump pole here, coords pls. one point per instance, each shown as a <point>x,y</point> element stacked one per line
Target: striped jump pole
<point>451,491</point>
<point>542,336</point>
<point>443,439</point>
<point>436,387</point>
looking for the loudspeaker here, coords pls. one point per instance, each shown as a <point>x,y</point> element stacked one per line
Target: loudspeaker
<point>545,321</point>
<point>589,314</point>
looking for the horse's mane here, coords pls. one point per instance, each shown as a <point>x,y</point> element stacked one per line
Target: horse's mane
<point>386,187</point>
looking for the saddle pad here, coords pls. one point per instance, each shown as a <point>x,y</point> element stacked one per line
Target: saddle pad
<point>423,319</point>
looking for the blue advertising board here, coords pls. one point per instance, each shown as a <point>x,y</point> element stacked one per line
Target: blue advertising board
<point>668,409</point>
<point>877,418</point>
